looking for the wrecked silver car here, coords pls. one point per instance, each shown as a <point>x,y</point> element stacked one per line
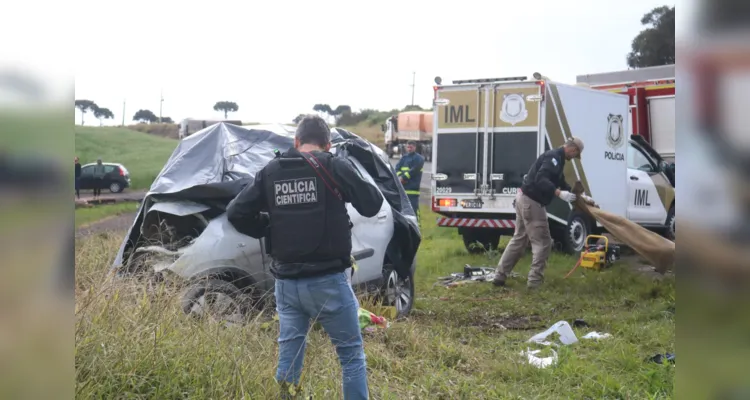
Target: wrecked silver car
<point>181,228</point>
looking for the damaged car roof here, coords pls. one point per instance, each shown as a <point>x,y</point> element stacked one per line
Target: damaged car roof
<point>212,166</point>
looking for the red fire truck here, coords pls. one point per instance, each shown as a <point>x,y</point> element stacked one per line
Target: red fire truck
<point>652,102</point>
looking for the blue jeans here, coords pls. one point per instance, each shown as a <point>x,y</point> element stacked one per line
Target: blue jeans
<point>327,299</point>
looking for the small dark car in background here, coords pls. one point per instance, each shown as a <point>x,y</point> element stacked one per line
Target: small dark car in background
<point>116,178</point>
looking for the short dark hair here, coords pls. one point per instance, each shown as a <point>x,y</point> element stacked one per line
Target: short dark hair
<point>312,129</point>
<point>411,143</point>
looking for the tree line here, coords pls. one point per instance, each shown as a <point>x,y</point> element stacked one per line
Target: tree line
<point>142,115</point>
<point>343,115</point>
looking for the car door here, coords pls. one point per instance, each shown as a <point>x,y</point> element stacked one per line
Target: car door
<point>370,237</point>
<point>87,176</point>
<point>110,172</point>
<point>644,204</point>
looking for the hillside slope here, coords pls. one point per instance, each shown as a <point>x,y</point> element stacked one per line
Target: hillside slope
<point>142,154</point>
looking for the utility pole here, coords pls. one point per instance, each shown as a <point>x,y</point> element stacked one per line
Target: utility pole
<point>413,76</point>
<point>161,102</point>
<point>123,113</point>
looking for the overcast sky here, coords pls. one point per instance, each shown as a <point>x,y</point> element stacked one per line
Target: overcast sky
<point>276,60</point>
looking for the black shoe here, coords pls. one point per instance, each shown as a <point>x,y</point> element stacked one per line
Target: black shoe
<point>498,283</point>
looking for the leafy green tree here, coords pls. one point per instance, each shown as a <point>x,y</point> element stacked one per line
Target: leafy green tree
<point>85,106</point>
<point>145,116</point>
<point>655,45</point>
<point>226,107</point>
<point>340,111</point>
<point>324,110</point>
<point>103,113</point>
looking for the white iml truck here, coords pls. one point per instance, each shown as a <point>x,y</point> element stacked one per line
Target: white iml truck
<point>488,133</point>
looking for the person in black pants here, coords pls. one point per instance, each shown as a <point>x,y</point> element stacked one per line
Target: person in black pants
<point>78,178</point>
<point>98,172</point>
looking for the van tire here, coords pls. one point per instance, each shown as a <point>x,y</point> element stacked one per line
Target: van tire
<point>574,235</point>
<point>487,238</point>
<point>670,231</point>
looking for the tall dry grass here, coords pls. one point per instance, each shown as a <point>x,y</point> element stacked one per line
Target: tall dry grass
<point>133,341</point>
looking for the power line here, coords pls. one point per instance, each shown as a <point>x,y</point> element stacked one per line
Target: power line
<point>413,77</point>
<point>161,103</point>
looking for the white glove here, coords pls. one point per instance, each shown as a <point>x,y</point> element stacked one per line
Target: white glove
<point>589,201</point>
<point>567,196</point>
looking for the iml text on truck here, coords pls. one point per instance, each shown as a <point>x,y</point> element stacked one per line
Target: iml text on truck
<point>488,133</point>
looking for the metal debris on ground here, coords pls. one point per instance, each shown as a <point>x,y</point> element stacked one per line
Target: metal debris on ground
<point>469,275</point>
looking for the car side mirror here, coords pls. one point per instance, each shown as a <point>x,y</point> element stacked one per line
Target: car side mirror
<point>382,127</point>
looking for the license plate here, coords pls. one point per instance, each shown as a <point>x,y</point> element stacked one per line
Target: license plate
<point>473,203</point>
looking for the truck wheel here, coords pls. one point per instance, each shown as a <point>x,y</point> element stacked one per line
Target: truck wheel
<point>574,236</point>
<point>478,241</point>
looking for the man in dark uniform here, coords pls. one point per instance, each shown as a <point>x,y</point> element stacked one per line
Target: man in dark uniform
<point>409,169</point>
<point>78,177</point>
<point>304,192</point>
<point>544,181</point>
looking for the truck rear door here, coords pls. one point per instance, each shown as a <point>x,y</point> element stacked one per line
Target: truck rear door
<point>459,140</point>
<point>513,141</point>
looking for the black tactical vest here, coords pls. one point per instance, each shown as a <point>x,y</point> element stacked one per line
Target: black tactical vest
<point>308,222</point>
<point>529,187</point>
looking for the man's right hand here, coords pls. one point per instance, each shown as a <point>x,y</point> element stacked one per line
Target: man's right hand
<point>567,196</point>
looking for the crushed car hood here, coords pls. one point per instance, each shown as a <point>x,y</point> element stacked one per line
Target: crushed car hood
<point>210,167</point>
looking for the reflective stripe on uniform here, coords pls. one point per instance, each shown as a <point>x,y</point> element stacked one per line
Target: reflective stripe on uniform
<point>405,168</point>
<point>398,173</point>
<point>407,175</point>
<point>412,192</point>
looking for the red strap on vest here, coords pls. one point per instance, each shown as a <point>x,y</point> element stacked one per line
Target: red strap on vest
<point>317,166</point>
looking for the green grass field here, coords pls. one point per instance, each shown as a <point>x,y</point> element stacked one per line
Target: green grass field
<point>142,154</point>
<point>86,216</point>
<point>132,341</point>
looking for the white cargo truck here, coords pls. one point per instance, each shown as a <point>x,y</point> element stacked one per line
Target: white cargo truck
<point>407,126</point>
<point>488,133</point>
<point>188,126</point>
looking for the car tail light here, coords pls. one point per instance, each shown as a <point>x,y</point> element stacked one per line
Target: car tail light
<point>447,202</point>
<point>122,171</point>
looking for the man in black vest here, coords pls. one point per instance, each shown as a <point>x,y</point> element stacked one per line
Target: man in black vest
<point>544,182</point>
<point>304,192</point>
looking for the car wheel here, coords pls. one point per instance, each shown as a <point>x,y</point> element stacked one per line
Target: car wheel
<point>215,299</point>
<point>398,292</point>
<point>671,232</point>
<point>578,228</point>
<point>115,187</point>
<point>478,241</point>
